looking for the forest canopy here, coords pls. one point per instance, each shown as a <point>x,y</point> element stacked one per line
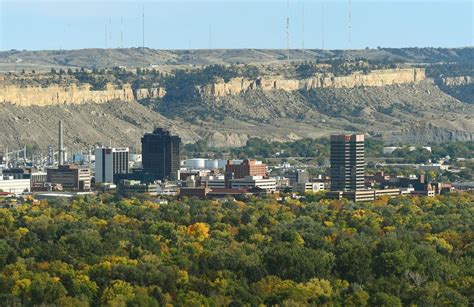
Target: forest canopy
<point>104,250</point>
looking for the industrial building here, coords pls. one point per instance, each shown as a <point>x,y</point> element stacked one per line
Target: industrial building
<point>161,154</point>
<point>110,162</point>
<point>347,162</point>
<point>14,186</point>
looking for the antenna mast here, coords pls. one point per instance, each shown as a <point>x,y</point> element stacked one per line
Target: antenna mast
<point>121,32</point>
<point>110,31</point>
<point>143,34</point>
<point>350,24</point>
<point>322,30</point>
<point>210,37</point>
<point>302,42</point>
<point>106,39</point>
<point>288,29</point>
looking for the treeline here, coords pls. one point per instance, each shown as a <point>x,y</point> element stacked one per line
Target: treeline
<point>105,251</point>
<point>450,69</point>
<point>454,149</point>
<point>260,148</point>
<point>307,147</point>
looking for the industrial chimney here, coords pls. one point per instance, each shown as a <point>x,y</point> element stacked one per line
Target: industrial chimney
<point>60,149</point>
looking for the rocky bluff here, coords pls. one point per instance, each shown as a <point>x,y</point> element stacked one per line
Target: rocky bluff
<point>376,78</point>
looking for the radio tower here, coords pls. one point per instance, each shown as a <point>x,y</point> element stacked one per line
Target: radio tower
<point>302,42</point>
<point>121,32</point>
<point>350,24</point>
<point>288,29</point>
<point>110,31</point>
<point>322,29</point>
<point>210,37</point>
<point>106,37</point>
<point>143,34</point>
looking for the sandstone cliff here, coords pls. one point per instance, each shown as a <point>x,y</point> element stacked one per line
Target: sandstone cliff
<point>457,81</point>
<point>152,93</point>
<point>376,78</point>
<point>73,94</point>
<point>55,95</point>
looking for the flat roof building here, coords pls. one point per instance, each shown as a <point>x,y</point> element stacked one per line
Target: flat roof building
<point>246,168</point>
<point>109,162</point>
<point>347,162</point>
<point>161,154</point>
<point>70,177</point>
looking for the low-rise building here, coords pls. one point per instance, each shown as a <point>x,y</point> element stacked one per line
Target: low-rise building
<point>130,187</point>
<point>303,187</point>
<point>246,168</point>
<point>14,186</point>
<point>70,177</point>
<point>268,184</point>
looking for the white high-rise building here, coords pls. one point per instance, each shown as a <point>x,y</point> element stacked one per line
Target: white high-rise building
<point>110,161</point>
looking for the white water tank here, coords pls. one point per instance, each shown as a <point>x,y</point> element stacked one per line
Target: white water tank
<point>221,163</point>
<point>196,163</point>
<point>211,164</point>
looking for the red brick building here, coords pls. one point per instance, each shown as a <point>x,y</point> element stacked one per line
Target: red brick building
<point>246,168</point>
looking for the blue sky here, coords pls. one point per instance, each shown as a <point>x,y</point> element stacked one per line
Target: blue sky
<point>180,24</point>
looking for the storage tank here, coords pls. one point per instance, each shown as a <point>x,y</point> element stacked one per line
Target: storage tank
<point>211,164</point>
<point>196,163</point>
<point>221,163</point>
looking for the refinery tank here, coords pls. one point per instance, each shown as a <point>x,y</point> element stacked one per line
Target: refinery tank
<point>211,164</point>
<point>221,163</point>
<point>196,163</point>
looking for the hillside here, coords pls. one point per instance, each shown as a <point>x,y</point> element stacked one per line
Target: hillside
<point>225,105</point>
<point>139,57</point>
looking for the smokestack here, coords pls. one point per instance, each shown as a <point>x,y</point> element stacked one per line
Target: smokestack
<point>60,149</point>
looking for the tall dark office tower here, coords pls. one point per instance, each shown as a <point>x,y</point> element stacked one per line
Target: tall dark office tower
<point>160,154</point>
<point>347,162</point>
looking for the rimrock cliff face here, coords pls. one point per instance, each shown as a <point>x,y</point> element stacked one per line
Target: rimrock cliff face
<point>56,95</point>
<point>457,81</point>
<point>377,78</point>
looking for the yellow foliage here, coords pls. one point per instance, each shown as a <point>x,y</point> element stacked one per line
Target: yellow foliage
<point>257,237</point>
<point>183,276</point>
<point>164,248</point>
<point>21,286</point>
<point>239,204</point>
<point>389,228</point>
<point>358,214</point>
<point>110,261</point>
<point>200,231</point>
<point>318,288</point>
<point>21,231</point>
<point>99,222</point>
<point>64,217</point>
<point>44,266</point>
<point>328,223</point>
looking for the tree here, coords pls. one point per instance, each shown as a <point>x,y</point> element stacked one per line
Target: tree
<point>385,300</point>
<point>118,293</point>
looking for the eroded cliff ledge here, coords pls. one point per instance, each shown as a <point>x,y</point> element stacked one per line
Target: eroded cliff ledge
<point>377,78</point>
